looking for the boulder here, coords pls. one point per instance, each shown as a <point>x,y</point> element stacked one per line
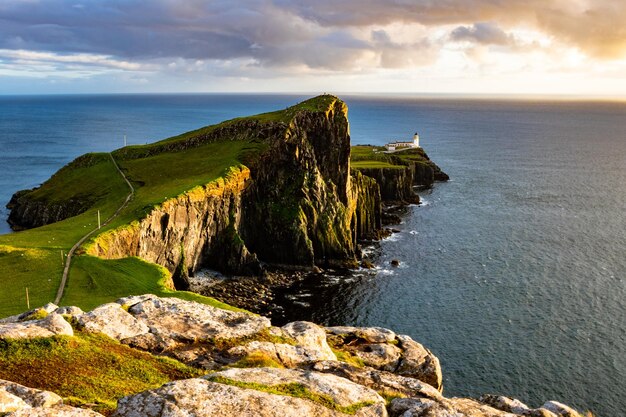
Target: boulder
<point>454,407</point>
<point>560,409</point>
<point>55,411</point>
<point>288,355</point>
<point>19,401</point>
<point>174,321</point>
<point>34,314</point>
<point>505,404</point>
<point>380,381</point>
<point>52,325</point>
<point>243,393</point>
<point>31,397</point>
<point>69,311</point>
<point>369,334</point>
<point>419,362</point>
<point>112,320</point>
<point>379,355</point>
<point>311,338</point>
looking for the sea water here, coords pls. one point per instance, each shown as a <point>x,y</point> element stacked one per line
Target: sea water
<point>513,273</point>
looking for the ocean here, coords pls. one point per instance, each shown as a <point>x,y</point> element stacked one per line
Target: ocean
<point>513,273</point>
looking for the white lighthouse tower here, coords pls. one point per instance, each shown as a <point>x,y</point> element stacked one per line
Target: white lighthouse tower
<point>416,140</point>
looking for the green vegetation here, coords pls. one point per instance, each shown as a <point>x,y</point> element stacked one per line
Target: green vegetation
<point>163,170</point>
<point>367,156</point>
<point>257,360</point>
<point>349,358</point>
<point>87,369</point>
<point>95,281</point>
<point>293,389</point>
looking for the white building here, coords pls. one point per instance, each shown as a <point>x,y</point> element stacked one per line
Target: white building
<point>396,146</point>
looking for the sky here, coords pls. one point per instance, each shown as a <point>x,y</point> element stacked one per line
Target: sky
<point>510,47</point>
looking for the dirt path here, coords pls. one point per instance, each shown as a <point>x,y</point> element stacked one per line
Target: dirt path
<point>68,261</point>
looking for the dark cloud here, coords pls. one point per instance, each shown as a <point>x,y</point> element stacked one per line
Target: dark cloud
<point>482,33</point>
<point>323,34</point>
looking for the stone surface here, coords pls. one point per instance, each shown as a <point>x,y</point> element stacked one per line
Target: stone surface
<point>203,398</point>
<point>379,355</point>
<point>380,381</point>
<point>30,396</point>
<point>55,411</point>
<point>311,337</point>
<point>342,391</point>
<point>369,334</point>
<point>112,320</point>
<point>419,362</point>
<point>52,325</point>
<point>560,409</point>
<point>173,321</point>
<point>505,403</point>
<point>69,311</point>
<point>454,407</point>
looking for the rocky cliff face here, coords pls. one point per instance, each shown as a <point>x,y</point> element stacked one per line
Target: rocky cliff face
<point>300,369</point>
<point>197,227</point>
<point>294,204</point>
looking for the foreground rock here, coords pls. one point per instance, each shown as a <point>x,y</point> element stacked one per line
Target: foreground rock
<point>256,392</point>
<point>299,370</point>
<point>19,401</point>
<point>382,349</point>
<point>52,325</point>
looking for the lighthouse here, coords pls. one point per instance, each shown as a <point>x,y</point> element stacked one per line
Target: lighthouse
<point>416,140</point>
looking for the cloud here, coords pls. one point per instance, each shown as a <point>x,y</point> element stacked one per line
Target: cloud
<point>258,38</point>
<point>482,33</point>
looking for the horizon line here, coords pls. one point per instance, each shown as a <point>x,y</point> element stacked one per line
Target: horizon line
<point>427,95</point>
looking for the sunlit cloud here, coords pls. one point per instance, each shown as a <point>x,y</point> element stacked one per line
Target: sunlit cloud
<point>351,45</point>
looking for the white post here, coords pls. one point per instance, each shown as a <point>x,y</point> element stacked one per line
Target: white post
<point>27,299</point>
<point>124,140</point>
<point>62,258</point>
<point>98,219</point>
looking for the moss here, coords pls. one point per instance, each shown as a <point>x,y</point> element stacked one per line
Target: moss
<point>86,368</point>
<point>390,395</point>
<point>37,314</point>
<point>262,336</point>
<point>348,358</point>
<point>257,360</point>
<point>293,390</point>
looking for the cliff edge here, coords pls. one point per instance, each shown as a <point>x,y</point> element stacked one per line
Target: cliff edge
<point>275,188</point>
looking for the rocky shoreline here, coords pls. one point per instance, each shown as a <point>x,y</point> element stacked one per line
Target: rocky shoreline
<point>251,368</point>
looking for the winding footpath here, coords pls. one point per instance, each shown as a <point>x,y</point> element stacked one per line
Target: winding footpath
<point>68,261</point>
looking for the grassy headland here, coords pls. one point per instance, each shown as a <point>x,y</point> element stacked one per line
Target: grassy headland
<point>159,171</point>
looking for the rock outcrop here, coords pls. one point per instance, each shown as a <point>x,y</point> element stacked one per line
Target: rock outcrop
<point>299,370</point>
<point>19,401</point>
<point>51,325</point>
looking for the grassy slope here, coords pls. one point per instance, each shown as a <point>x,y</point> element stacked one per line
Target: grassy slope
<point>32,258</point>
<point>367,156</point>
<point>87,368</point>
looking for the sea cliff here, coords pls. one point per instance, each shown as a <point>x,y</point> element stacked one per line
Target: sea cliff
<point>292,201</point>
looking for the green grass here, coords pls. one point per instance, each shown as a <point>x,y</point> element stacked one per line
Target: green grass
<point>257,360</point>
<point>159,171</point>
<point>375,164</point>
<point>367,156</point>
<point>293,389</point>
<point>87,369</point>
<point>95,281</point>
